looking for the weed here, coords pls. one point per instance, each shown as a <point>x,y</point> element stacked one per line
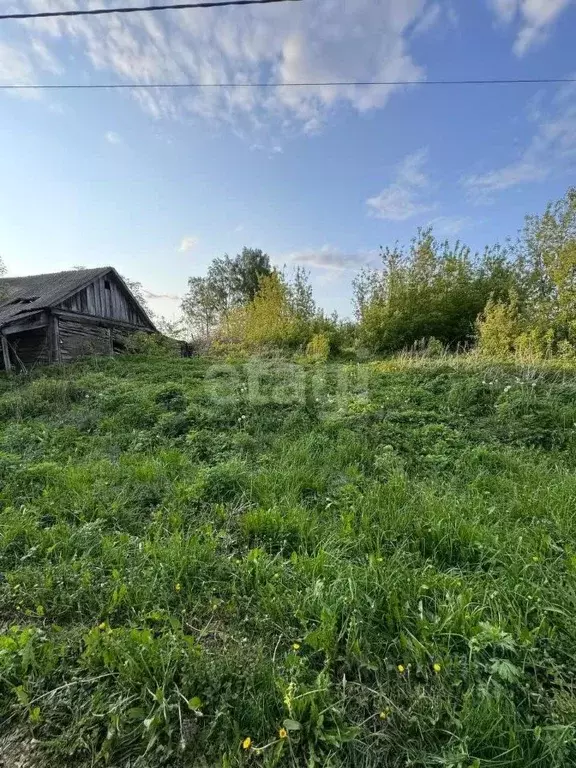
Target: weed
<point>381,574</point>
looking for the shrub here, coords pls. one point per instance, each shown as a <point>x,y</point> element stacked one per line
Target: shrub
<point>498,327</point>
<point>152,345</point>
<point>433,290</point>
<point>318,348</point>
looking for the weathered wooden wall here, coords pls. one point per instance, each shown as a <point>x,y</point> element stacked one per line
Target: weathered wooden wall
<point>82,339</point>
<point>105,298</point>
<point>31,347</point>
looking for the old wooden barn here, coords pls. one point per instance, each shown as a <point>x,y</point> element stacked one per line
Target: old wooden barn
<point>58,317</point>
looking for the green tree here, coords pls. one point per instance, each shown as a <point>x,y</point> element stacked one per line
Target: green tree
<point>499,327</point>
<point>200,307</point>
<point>431,290</point>
<point>228,283</point>
<point>301,296</point>
<point>174,329</point>
<point>246,271</point>
<point>546,256</point>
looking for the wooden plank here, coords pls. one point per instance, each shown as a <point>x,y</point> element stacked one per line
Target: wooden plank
<point>102,321</point>
<point>116,302</point>
<point>96,299</point>
<point>91,302</point>
<point>5,353</point>
<point>102,300</point>
<point>37,321</point>
<point>80,339</point>
<point>54,340</point>
<point>109,294</point>
<point>79,288</point>
<point>132,306</point>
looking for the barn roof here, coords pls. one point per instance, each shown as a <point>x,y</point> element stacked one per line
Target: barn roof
<point>22,296</point>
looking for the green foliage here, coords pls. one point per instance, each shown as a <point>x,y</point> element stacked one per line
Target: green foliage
<point>318,348</point>
<point>154,344</point>
<point>282,315</point>
<point>246,272</point>
<point>378,573</point>
<point>547,255</point>
<point>499,327</point>
<point>432,291</point>
<point>430,298</point>
<point>229,283</point>
<point>538,320</point>
<point>200,307</point>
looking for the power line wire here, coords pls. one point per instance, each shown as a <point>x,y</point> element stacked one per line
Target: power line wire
<point>137,9</point>
<point>333,83</point>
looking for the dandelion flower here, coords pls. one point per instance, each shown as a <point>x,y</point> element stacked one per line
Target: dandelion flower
<point>437,668</point>
<point>178,587</point>
<point>295,646</point>
<point>401,668</point>
<point>384,714</point>
<point>283,733</point>
<point>102,626</point>
<point>247,743</point>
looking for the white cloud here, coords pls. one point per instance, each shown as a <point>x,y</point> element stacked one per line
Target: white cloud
<point>404,197</point>
<point>506,10</point>
<point>310,42</point>
<point>428,19</point>
<point>188,243</point>
<point>169,296</point>
<point>450,226</point>
<point>329,257</point>
<point>21,65</point>
<point>550,151</point>
<point>113,138</point>
<point>535,19</point>
<point>15,65</point>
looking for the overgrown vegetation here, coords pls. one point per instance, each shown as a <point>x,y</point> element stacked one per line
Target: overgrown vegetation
<point>271,564</point>
<point>434,291</point>
<point>538,317</point>
<point>518,300</point>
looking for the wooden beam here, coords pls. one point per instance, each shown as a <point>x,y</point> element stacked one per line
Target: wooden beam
<point>105,322</point>
<point>54,340</point>
<point>37,321</point>
<point>5,353</point>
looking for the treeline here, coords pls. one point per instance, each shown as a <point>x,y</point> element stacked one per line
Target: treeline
<point>245,301</point>
<point>432,294</point>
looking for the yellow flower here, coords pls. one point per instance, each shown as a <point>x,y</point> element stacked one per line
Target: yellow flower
<point>102,626</point>
<point>295,646</point>
<point>283,733</point>
<point>247,743</point>
<point>178,587</point>
<point>384,714</point>
<point>401,668</point>
<point>437,668</point>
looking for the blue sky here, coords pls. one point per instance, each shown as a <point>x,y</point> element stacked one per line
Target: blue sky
<point>157,184</point>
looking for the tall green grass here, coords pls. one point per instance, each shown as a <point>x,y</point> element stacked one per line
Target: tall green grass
<point>377,575</point>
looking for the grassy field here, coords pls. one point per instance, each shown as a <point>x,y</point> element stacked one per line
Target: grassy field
<point>347,566</point>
